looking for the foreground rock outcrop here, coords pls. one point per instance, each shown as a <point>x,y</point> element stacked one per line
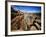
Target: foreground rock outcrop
<point>25,21</point>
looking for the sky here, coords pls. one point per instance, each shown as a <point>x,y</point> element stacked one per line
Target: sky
<point>27,9</point>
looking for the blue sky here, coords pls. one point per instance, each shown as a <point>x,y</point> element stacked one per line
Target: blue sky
<point>28,9</point>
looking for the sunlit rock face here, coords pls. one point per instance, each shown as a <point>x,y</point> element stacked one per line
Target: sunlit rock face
<point>33,28</point>
<point>29,18</point>
<point>25,22</point>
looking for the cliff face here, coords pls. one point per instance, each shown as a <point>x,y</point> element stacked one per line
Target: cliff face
<point>25,21</point>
